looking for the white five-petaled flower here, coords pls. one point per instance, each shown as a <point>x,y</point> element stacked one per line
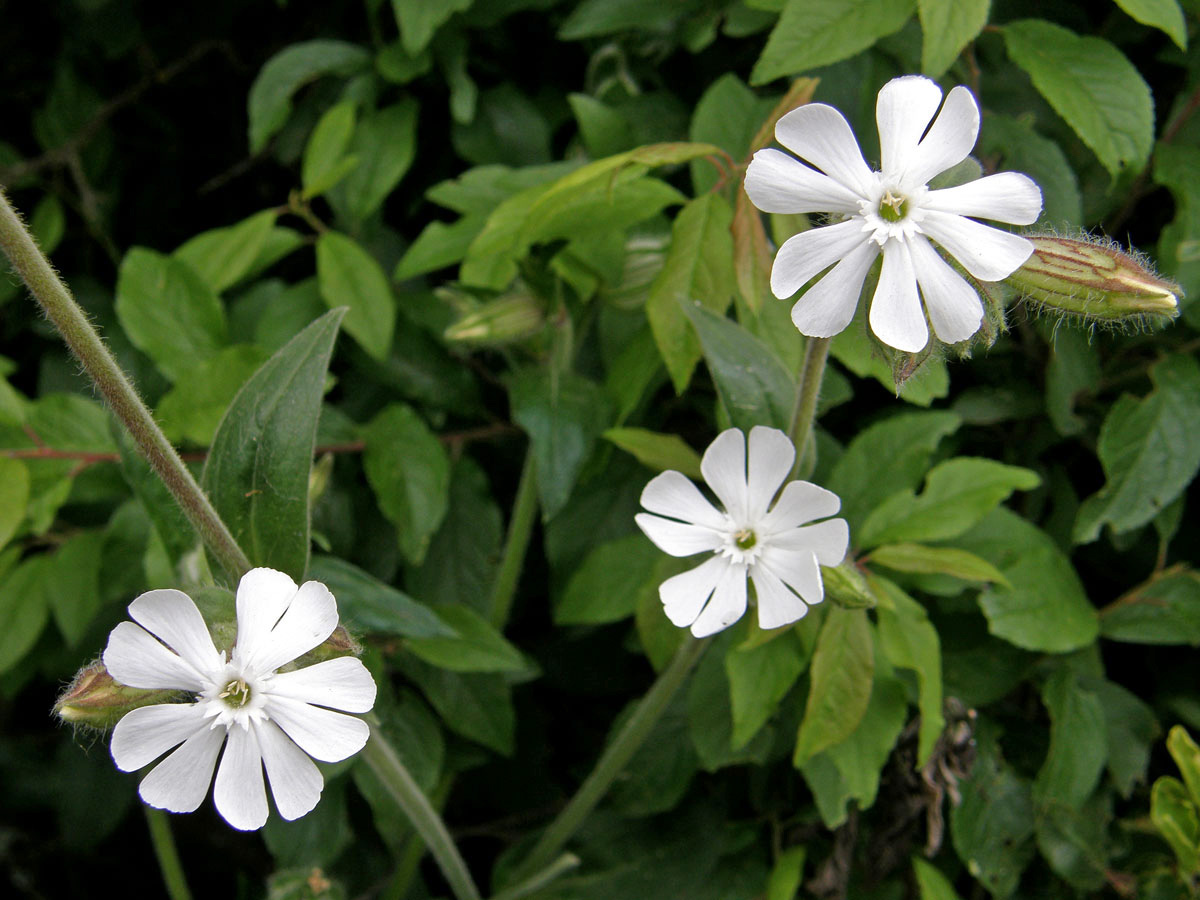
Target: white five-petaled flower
<point>260,715</point>
<point>892,212</point>
<point>780,552</point>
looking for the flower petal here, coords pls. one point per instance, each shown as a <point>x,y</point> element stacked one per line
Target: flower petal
<point>180,782</point>
<point>677,538</point>
<point>684,595</point>
<point>777,183</point>
<point>987,253</point>
<point>805,254</point>
<point>820,134</point>
<point>239,793</point>
<point>777,605</point>
<point>902,111</point>
<point>727,604</point>
<point>137,659</point>
<point>798,569</point>
<point>896,316</point>
<point>770,462</point>
<point>296,782</point>
<point>1006,197</point>
<point>954,308</point>
<point>826,540</point>
<point>343,683</point>
<point>310,618</point>
<point>262,596</point>
<point>146,733</point>
<point>800,502</point>
<point>673,494</point>
<point>724,468</point>
<point>949,139</point>
<point>827,307</point>
<point>321,733</point>
<point>173,618</point>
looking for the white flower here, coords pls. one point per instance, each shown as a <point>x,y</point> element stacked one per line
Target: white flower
<point>261,716</point>
<point>781,554</point>
<point>891,211</point>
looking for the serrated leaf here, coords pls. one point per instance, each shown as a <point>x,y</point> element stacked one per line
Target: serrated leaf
<point>946,27</point>
<point>257,471</point>
<point>1165,15</point>
<point>224,256</point>
<point>657,451</point>
<point>1131,729</point>
<point>349,276</point>
<point>843,668</point>
<point>1092,85</point>
<point>325,161</point>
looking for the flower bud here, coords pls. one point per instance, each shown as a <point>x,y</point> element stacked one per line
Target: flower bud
<point>95,699</point>
<point>645,256</point>
<point>846,587</point>
<point>1093,280</point>
<point>504,320</point>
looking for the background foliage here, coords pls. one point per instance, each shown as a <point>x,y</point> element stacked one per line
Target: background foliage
<point>213,178</point>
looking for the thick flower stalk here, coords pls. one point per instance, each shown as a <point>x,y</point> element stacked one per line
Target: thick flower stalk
<point>892,212</point>
<point>261,716</point>
<point>775,547</point>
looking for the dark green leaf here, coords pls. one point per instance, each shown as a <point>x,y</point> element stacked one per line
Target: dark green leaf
<point>759,678</point>
<point>192,410</point>
<point>1165,610</point>
<point>1021,149</point>
<point>1078,742</point>
<point>73,584</point>
<point>477,706</point>
<point>349,276</point>
<point>384,145</point>
<point>1166,15</point>
<point>367,604</point>
<point>605,587</point>
<point>657,451</point>
<point>476,646</point>
<point>419,20</point>
<point>24,607</point>
<point>14,497</point>
<point>946,27</point>
<point>843,668</point>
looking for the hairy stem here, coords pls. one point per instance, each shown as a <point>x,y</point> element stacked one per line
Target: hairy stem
<point>520,528</point>
<point>808,391</point>
<point>168,857</point>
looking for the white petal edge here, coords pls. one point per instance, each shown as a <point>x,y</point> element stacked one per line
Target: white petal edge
<point>239,793</point>
<point>1005,197</point>
<point>673,494</point>
<point>295,780</point>
<point>778,183</point>
<point>683,596</point>
<point>137,659</point>
<point>173,618</point>
<point>821,135</point>
<point>827,541</point>
<point>146,733</point>
<point>310,618</point>
<point>724,468</point>
<point>800,502</point>
<point>987,253</point>
<point>180,782</point>
<point>343,683</point>
<point>677,538</point>
<point>902,111</point>
<point>798,569</point>
<point>262,596</point>
<point>896,316</point>
<point>827,307</point>
<point>777,605</point>
<point>955,310</point>
<point>727,604</point>
<point>949,139</point>
<point>771,455</point>
<point>321,733</point>
<point>810,252</point>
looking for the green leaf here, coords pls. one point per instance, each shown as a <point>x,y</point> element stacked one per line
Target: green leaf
<point>410,475</point>
<point>224,256</point>
<point>192,410</point>
<point>475,705</point>
<point>349,276</point>
<point>270,100</point>
<point>813,33</point>
<point>1174,815</point>
<point>657,451</point>
<point>698,270</point>
<point>14,497</point>
<point>1018,148</point>
<point>958,493</point>
<point>1075,841</point>
<point>710,714</point>
<point>24,607</point>
<point>1164,610</point>
<point>1165,15</point>
<point>759,678</point>
<point>1177,167</point>
<point>325,161</point>
<point>859,353</point>
<point>367,604</point>
<point>439,245</point>
<point>1091,84</point>
<point>258,466</point>
<point>1150,450</point>
<point>752,383</point>
<point>658,775</point>
<point>604,588</point>
<point>315,839</point>
<point>658,637</point>
<point>563,416</point>
<point>1187,756</point>
<point>931,883</point>
<point>476,645</point>
<point>1043,607</point>
<point>787,873</point>
<point>419,20</point>
<point>384,145</point>
<point>604,130</point>
<point>1073,369</point>
<point>728,114</point>
<point>1078,742</point>
<point>920,559</point>
<point>843,669</point>
<point>73,584</point>
<point>946,27</point>
<point>907,442</point>
<point>1131,730</point>
<point>168,311</point>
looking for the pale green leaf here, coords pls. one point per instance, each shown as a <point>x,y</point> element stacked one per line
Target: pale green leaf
<point>14,496</point>
<point>192,410</point>
<point>419,20</point>
<point>843,669</point>
<point>946,27</point>
<point>224,256</point>
<point>383,146</point>
<point>349,276</point>
<point>925,560</point>
<point>931,883</point>
<point>759,678</point>
<point>325,161</point>
<point>1165,15</point>
<point>657,451</point>
<point>24,607</point>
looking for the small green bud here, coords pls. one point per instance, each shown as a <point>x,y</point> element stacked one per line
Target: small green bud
<point>846,586</point>
<point>645,256</point>
<point>1094,280</point>
<point>95,699</point>
<point>505,320</point>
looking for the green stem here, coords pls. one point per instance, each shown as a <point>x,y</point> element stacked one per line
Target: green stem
<point>414,850</point>
<point>808,391</point>
<point>520,529</point>
<point>555,870</point>
<point>615,757</point>
<point>420,812</point>
<point>168,856</point>
<point>87,345</point>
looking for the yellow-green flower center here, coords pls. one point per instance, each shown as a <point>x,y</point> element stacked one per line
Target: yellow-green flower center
<point>892,207</point>
<point>745,539</point>
<point>236,693</point>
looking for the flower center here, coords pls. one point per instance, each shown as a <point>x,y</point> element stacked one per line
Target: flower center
<point>236,693</point>
<point>745,539</point>
<point>892,207</point>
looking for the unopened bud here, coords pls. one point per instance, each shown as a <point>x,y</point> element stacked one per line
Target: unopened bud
<point>847,587</point>
<point>95,699</point>
<point>513,317</point>
<point>1094,280</point>
<point>645,256</point>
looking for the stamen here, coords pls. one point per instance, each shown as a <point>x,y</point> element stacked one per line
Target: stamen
<point>745,539</point>
<point>236,693</point>
<point>892,207</point>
